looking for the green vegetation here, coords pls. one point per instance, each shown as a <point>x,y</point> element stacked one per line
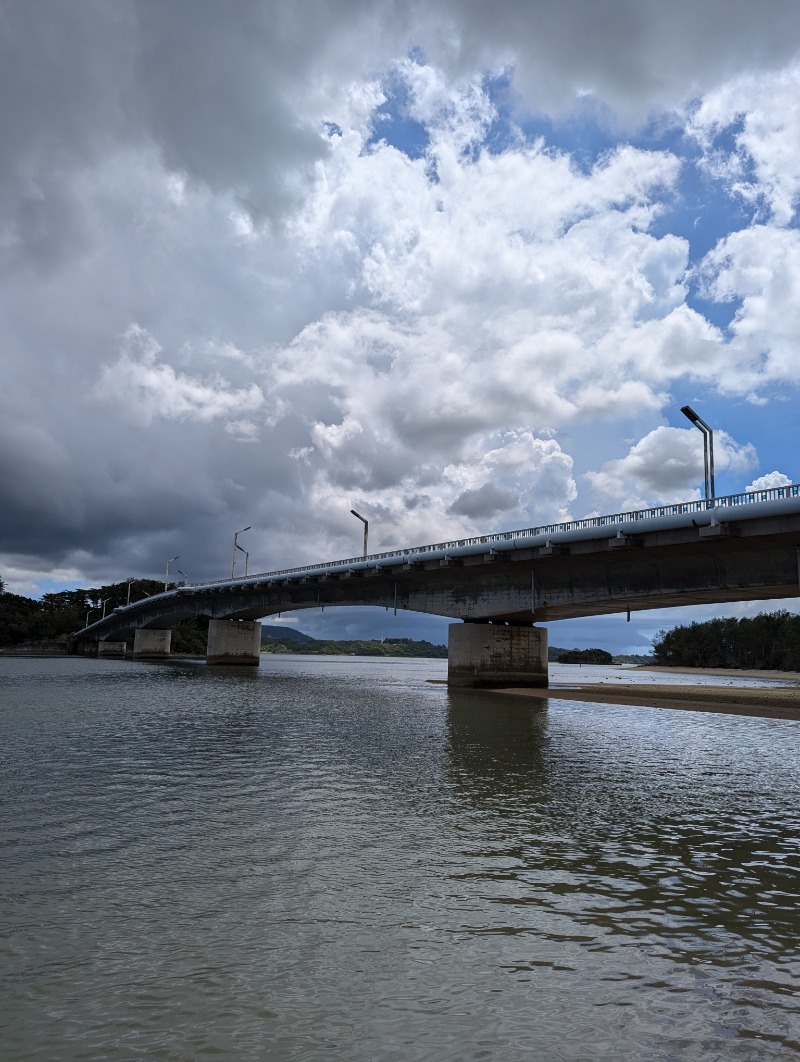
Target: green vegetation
<point>25,622</point>
<point>769,641</point>
<point>369,647</point>
<point>585,656</point>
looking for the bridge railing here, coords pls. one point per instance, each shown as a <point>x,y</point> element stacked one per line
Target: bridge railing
<point>584,523</point>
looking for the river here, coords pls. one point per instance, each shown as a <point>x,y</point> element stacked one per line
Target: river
<point>332,858</point>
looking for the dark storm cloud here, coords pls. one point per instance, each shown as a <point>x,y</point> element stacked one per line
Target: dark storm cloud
<point>484,502</point>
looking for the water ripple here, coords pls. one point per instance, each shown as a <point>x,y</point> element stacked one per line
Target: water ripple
<point>334,858</point>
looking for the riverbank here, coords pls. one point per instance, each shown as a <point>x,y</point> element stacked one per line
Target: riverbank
<point>773,702</point>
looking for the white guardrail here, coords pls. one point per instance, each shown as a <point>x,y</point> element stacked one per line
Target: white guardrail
<point>721,510</point>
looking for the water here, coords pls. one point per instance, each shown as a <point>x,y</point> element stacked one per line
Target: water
<point>333,858</point>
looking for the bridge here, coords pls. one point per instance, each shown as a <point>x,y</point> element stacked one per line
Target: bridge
<point>741,547</point>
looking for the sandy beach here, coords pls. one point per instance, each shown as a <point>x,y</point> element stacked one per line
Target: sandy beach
<point>776,702</point>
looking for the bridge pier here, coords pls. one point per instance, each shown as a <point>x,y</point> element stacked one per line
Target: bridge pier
<point>234,642</point>
<point>109,648</point>
<point>491,655</point>
<point>151,644</point>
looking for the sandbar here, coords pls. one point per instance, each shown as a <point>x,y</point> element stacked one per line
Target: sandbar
<point>773,702</point>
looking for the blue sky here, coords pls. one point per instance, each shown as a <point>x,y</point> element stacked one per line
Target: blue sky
<point>455,268</point>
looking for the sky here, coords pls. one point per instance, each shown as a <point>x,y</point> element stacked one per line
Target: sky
<point>454,265</point>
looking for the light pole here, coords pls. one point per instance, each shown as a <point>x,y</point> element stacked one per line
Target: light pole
<point>88,614</point>
<point>104,602</point>
<point>129,592</point>
<point>235,547</point>
<point>708,450</point>
<point>185,576</point>
<point>246,559</point>
<point>366,528</point>
<point>166,574</point>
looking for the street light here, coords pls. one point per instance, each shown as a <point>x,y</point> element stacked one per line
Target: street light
<point>129,592</point>
<point>185,576</point>
<point>88,614</point>
<point>246,558</point>
<point>366,528</point>
<point>166,575</point>
<point>235,547</point>
<point>104,602</point>
<point>708,450</point>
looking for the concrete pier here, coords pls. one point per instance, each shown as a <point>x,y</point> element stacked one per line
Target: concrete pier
<point>491,655</point>
<point>111,649</point>
<point>234,642</point>
<point>151,644</point>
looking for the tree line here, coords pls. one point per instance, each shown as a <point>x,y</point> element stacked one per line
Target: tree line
<point>56,617</point>
<point>361,647</point>
<point>769,641</point>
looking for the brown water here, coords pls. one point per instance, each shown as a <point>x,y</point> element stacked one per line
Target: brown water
<point>331,858</point>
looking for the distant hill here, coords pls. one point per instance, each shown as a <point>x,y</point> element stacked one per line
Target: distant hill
<point>277,641</point>
<point>272,633</point>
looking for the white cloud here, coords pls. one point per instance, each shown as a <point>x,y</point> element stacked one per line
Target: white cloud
<point>762,113</point>
<point>144,387</point>
<point>758,269</point>
<point>768,481</point>
<point>664,467</point>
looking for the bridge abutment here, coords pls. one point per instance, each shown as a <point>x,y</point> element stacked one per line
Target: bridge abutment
<point>491,655</point>
<point>234,642</point>
<point>151,644</point>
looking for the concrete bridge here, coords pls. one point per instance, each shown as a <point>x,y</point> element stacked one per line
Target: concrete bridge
<point>741,547</point>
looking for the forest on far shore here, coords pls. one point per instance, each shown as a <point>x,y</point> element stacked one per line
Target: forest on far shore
<point>769,641</point>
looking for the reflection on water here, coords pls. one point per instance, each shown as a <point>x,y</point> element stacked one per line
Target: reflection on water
<point>335,858</point>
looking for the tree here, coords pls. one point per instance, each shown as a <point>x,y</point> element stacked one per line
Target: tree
<point>770,640</point>
<point>585,656</point>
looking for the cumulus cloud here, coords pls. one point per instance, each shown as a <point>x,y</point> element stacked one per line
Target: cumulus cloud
<point>665,467</point>
<point>145,387</point>
<point>749,129</point>
<point>768,481</point>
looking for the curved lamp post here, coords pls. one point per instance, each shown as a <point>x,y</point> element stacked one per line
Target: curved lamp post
<point>166,574</point>
<point>235,547</point>
<point>708,450</point>
<point>366,528</point>
<point>246,559</point>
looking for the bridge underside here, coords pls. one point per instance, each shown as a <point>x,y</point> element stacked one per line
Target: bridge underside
<point>755,560</point>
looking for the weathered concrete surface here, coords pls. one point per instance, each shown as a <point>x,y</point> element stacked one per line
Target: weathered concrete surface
<point>151,644</point>
<point>491,656</point>
<point>234,642</point>
<point>109,648</point>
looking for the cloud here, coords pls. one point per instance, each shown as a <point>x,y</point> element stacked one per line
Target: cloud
<point>664,467</point>
<point>483,502</point>
<point>748,129</point>
<point>769,481</point>
<point>758,271</point>
<point>144,387</point>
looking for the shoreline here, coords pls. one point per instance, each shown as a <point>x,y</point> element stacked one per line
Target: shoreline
<point>769,702</point>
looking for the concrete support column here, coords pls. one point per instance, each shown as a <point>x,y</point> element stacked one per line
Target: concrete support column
<point>487,655</point>
<point>234,642</point>
<point>149,644</point>
<point>111,649</point>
